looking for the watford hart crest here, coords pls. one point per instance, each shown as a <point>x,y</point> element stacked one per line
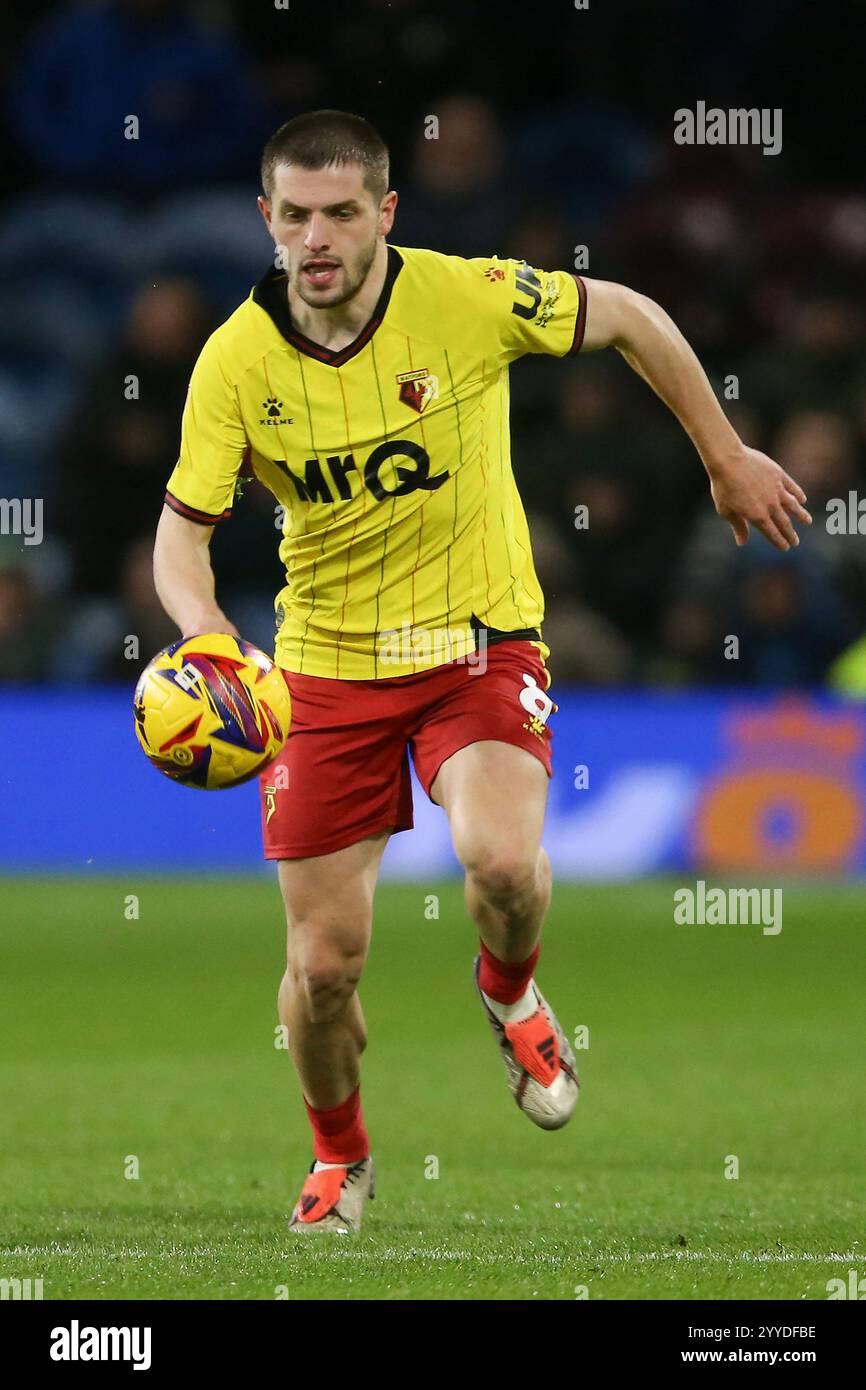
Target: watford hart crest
<point>418,389</point>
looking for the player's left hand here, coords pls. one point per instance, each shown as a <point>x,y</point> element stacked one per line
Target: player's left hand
<point>753,490</point>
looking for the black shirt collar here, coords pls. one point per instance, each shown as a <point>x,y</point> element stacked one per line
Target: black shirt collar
<point>270,295</point>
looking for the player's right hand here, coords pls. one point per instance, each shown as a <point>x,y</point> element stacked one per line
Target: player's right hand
<point>211,622</point>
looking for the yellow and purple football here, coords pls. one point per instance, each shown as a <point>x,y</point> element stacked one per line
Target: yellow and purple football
<point>211,711</point>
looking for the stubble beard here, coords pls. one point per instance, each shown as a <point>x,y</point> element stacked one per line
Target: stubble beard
<point>354,281</point>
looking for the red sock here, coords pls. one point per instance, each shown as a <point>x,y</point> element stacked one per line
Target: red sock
<point>339,1134</point>
<point>502,980</point>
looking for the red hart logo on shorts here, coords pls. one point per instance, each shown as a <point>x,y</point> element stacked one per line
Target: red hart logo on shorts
<point>418,389</point>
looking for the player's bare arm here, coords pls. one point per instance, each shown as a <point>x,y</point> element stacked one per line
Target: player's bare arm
<point>183,575</point>
<point>747,487</point>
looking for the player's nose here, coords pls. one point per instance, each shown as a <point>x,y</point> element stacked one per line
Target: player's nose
<point>317,233</point>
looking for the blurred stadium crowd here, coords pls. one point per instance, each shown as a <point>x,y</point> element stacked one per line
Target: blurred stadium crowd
<point>119,256</point>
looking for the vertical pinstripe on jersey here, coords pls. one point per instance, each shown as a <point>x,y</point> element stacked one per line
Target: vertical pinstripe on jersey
<point>314,450</point>
<point>459,425</point>
<point>387,531</point>
<point>351,449</point>
<point>501,382</point>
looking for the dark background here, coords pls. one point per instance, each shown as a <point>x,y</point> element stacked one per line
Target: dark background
<point>556,127</point>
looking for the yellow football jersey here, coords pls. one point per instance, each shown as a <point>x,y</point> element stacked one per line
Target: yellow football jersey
<point>404,537</point>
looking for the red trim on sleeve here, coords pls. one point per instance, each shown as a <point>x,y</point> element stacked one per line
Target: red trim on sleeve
<point>192,514</point>
<point>580,321</point>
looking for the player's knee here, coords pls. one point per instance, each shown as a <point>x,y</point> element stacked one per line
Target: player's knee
<point>501,875</point>
<point>327,990</point>
<point>325,987</point>
<point>325,975</point>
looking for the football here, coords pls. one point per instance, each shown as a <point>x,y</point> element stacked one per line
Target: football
<point>211,711</point>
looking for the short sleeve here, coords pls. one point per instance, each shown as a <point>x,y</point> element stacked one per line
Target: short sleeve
<point>212,446</point>
<point>534,310</point>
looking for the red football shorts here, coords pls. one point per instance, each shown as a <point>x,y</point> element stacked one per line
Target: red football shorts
<point>343,774</point>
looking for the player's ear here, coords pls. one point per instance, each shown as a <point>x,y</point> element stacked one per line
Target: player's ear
<point>264,208</point>
<point>387,208</point>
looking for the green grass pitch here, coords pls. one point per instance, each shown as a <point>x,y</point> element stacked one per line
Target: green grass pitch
<point>154,1038</point>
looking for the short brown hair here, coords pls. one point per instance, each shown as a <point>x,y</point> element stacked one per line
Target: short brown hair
<point>319,138</point>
